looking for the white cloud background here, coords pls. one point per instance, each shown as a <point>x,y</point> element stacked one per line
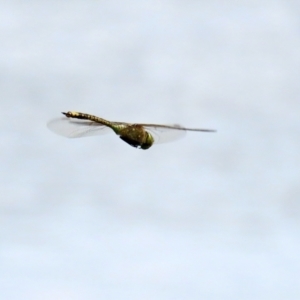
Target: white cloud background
<point>212,216</point>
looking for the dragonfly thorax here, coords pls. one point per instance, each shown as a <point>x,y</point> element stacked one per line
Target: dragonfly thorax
<point>136,136</point>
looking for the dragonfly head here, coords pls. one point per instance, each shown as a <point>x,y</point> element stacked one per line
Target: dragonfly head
<point>148,141</point>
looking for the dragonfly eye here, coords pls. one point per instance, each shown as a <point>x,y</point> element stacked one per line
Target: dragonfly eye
<point>149,141</point>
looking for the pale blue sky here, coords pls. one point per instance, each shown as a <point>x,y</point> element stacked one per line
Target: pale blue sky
<point>211,216</point>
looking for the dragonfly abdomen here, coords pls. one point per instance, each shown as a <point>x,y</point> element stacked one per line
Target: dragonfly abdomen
<point>83,116</point>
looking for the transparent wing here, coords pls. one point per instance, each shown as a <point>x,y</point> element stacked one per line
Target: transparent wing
<point>166,133</point>
<point>75,128</point>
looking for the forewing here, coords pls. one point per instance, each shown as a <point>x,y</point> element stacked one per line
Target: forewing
<point>164,134</point>
<point>75,128</point>
<point>169,133</point>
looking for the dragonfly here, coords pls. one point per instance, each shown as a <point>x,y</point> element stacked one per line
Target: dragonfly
<point>142,136</point>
